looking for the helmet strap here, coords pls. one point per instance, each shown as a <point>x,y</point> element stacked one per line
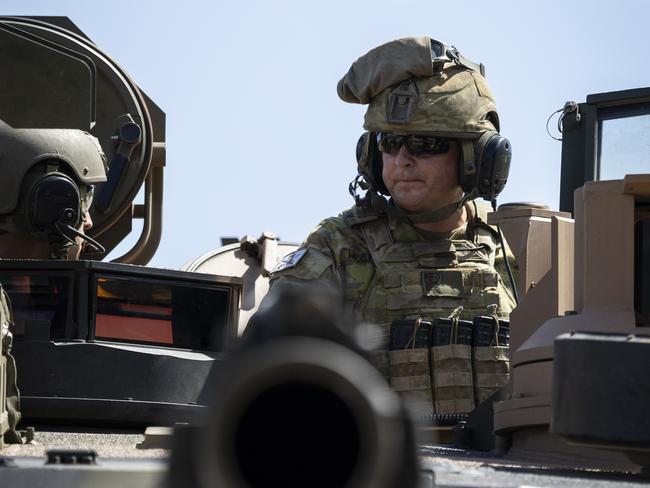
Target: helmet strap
<point>439,214</point>
<point>381,205</point>
<point>468,165</point>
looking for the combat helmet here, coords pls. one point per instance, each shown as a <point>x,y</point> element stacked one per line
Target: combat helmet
<point>420,86</point>
<point>47,185</point>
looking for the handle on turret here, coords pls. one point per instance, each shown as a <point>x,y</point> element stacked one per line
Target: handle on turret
<point>127,138</point>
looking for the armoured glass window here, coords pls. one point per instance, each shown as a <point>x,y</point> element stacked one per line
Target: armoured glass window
<point>161,313</point>
<point>38,297</point>
<point>624,145</point>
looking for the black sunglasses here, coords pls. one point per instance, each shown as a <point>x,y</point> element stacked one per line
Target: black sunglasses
<point>415,145</point>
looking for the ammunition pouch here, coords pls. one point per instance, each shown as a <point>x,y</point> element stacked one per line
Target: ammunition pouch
<point>451,364</point>
<point>490,356</point>
<point>448,366</point>
<point>410,370</point>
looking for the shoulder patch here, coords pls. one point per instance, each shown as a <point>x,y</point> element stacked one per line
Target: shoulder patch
<point>305,264</point>
<point>290,260</point>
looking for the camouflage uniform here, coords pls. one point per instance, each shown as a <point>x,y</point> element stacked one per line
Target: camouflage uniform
<point>8,383</point>
<point>46,188</point>
<point>396,276</point>
<point>386,269</point>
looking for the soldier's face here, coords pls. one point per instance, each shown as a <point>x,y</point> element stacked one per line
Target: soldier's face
<point>422,183</point>
<point>22,246</point>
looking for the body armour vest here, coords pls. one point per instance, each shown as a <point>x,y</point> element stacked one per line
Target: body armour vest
<point>388,271</point>
<point>427,277</point>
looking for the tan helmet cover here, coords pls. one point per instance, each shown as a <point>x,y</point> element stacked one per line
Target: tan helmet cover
<point>399,75</point>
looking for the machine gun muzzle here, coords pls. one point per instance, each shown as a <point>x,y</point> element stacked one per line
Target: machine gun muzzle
<point>299,408</point>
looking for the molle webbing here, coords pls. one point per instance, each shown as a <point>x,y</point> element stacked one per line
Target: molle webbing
<point>410,371</point>
<point>451,364</point>
<point>490,356</point>
<point>445,366</point>
<point>430,279</point>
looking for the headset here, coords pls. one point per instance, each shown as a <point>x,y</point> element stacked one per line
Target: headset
<point>54,207</point>
<point>53,201</point>
<point>484,164</point>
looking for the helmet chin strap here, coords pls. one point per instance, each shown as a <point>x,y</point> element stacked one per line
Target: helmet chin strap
<point>382,205</point>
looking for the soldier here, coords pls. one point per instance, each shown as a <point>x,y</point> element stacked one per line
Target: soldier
<point>432,146</point>
<point>11,399</point>
<point>46,189</point>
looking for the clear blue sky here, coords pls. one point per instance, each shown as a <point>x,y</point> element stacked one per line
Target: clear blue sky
<point>257,138</point>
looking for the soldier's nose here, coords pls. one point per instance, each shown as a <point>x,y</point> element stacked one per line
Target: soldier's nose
<point>403,157</point>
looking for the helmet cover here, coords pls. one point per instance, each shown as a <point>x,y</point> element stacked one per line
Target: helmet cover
<point>406,94</point>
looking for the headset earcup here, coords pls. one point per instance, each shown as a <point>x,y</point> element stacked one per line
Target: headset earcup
<point>501,156</point>
<point>49,198</point>
<point>496,155</point>
<point>493,154</point>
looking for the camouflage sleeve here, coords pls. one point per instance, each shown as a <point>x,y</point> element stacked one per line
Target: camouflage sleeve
<point>315,260</point>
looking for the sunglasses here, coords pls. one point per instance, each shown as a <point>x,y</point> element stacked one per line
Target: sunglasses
<point>415,145</point>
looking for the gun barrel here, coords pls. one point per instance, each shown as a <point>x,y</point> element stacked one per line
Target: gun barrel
<point>304,411</point>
